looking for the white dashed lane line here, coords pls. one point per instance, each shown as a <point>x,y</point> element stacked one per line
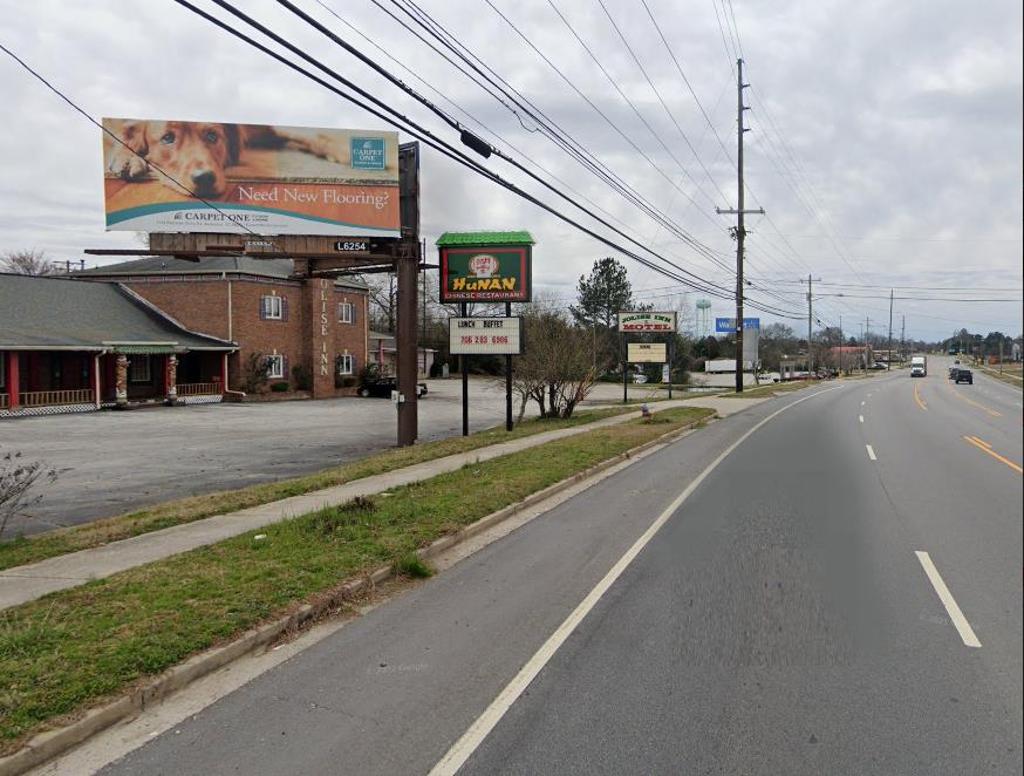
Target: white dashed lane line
<point>871,453</point>
<point>955,614</point>
<point>861,418</point>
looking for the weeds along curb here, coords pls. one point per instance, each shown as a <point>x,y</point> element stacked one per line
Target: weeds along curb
<point>49,744</point>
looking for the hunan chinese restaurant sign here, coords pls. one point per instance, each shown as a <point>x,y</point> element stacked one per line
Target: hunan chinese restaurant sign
<point>485,336</point>
<point>492,273</point>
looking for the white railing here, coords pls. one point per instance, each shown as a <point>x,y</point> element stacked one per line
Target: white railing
<point>198,389</point>
<point>51,398</point>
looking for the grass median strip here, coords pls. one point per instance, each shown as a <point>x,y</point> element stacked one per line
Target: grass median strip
<point>68,651</point>
<point>31,549</point>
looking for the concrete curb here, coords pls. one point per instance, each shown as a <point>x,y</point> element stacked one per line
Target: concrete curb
<point>49,744</point>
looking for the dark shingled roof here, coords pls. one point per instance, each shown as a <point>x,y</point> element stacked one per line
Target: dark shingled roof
<point>168,265</point>
<point>43,312</point>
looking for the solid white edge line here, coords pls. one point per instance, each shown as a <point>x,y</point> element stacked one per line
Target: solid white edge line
<point>871,453</point>
<point>959,621</point>
<point>462,749</point>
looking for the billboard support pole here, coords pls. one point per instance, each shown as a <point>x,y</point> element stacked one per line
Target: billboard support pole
<point>463,363</point>
<point>406,346</point>
<point>508,378</point>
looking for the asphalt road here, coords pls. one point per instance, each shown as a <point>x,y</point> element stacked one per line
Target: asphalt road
<point>815,605</point>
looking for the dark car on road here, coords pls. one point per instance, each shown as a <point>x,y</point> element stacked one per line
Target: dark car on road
<point>964,375</point>
<point>381,386</point>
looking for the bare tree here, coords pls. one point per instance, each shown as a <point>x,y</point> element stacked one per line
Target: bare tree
<point>556,370</point>
<point>27,262</point>
<point>17,481</point>
<point>383,293</point>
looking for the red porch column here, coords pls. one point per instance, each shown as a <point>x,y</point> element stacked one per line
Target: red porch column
<point>121,380</point>
<point>13,380</point>
<point>171,378</point>
<point>95,378</point>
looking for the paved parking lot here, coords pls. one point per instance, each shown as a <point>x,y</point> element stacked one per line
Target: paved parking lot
<point>112,462</point>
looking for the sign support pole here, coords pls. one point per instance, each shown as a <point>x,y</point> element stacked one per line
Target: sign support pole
<point>671,354</point>
<point>625,369</point>
<point>508,378</point>
<point>463,364</point>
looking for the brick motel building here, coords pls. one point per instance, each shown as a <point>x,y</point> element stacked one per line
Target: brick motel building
<point>160,329</point>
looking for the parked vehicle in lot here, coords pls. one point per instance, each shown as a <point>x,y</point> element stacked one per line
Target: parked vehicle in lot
<point>919,366</point>
<point>380,386</point>
<point>964,375</point>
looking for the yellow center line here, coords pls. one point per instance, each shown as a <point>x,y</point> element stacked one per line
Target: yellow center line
<point>986,449</point>
<point>979,439</point>
<point>918,399</point>
<point>991,412</point>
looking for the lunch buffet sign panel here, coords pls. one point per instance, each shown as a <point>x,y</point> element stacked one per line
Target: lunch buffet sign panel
<point>186,176</point>
<point>647,322</point>
<point>485,274</point>
<point>485,336</point>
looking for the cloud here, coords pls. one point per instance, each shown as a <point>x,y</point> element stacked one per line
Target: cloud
<point>886,142</point>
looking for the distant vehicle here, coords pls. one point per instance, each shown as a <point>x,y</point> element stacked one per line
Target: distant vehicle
<point>877,366</point>
<point>639,379</point>
<point>952,372</point>
<point>919,366</point>
<point>381,386</point>
<point>964,375</point>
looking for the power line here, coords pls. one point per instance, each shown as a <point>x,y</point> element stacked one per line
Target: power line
<point>115,138</point>
<point>546,125</point>
<point>455,125</point>
<point>412,127</point>
<point>661,99</point>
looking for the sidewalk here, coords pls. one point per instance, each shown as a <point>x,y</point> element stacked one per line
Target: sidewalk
<point>26,583</point>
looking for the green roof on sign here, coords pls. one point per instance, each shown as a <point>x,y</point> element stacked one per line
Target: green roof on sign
<point>456,239</point>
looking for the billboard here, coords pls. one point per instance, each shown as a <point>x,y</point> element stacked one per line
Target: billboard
<point>189,176</point>
<point>485,336</point>
<point>647,321</point>
<point>728,325</point>
<point>485,274</point>
<point>646,353</point>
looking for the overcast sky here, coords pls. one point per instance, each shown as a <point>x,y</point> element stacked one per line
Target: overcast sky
<point>886,141</point>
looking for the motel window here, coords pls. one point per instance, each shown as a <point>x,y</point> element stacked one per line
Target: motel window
<point>346,312</point>
<point>346,364</point>
<point>272,308</point>
<point>139,369</point>
<point>275,367</point>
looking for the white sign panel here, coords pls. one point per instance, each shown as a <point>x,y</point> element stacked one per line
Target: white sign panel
<point>647,321</point>
<point>646,353</point>
<point>750,345</point>
<point>484,336</point>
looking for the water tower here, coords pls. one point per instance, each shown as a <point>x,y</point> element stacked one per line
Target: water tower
<point>703,318</point>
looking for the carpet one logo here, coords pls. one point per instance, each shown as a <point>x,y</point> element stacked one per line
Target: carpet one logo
<point>367,153</point>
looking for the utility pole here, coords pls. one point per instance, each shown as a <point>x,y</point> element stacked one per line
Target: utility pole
<point>841,345</point>
<point>888,358</point>
<point>903,338</point>
<point>739,232</point>
<point>810,351</point>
